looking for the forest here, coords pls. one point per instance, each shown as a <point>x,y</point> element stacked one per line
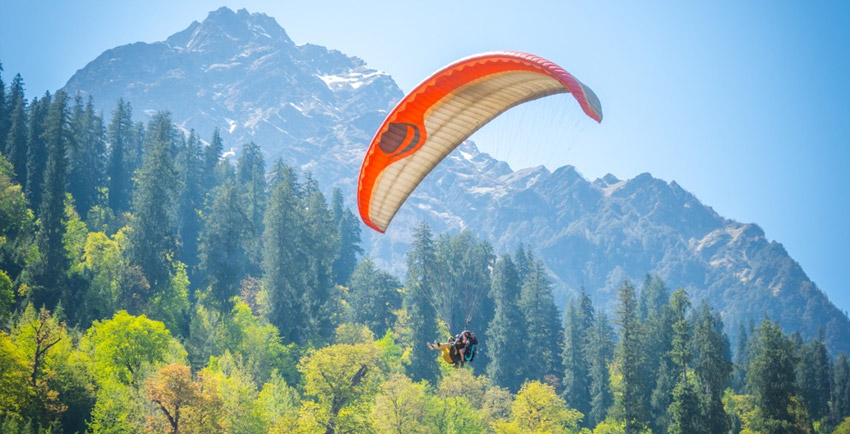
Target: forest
<point>147,284</point>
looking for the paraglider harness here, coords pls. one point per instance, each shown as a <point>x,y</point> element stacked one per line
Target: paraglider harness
<point>470,346</point>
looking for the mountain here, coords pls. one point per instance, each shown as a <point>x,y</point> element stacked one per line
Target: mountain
<point>318,109</point>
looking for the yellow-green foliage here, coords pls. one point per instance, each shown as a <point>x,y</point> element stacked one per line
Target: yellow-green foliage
<point>7,296</point>
<point>124,347</point>
<point>15,216</point>
<point>14,378</point>
<point>238,393</point>
<point>74,238</point>
<point>401,406</point>
<point>537,409</point>
<point>103,262</point>
<point>843,428</point>
<point>349,374</point>
<point>353,334</point>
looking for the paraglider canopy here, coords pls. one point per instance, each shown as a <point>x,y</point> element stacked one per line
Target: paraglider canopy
<point>442,112</point>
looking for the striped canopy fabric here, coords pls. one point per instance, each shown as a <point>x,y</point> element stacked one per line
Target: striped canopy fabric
<point>442,112</point>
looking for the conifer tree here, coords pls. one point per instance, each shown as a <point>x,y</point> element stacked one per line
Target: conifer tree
<point>284,258</point>
<point>152,237</point>
<point>87,171</point>
<point>658,370</point>
<point>742,359</point>
<point>137,146</point>
<point>251,175</point>
<point>373,295</point>
<point>49,274</point>
<point>684,410</point>
<point>771,379</point>
<point>712,368</point>
<point>6,106</point>
<point>523,259</point>
<point>813,379</point>
<point>840,395</point>
<point>36,150</point>
<point>543,325</point>
<point>15,137</point>
<point>16,93</point>
<point>630,359</point>
<point>674,400</point>
<point>319,237</point>
<point>212,156</point>
<point>421,266</point>
<point>119,168</point>
<point>223,262</point>
<point>578,322</point>
<point>680,348</point>
<point>348,232</point>
<point>668,330</point>
<point>600,353</point>
<point>190,201</point>
<point>507,329</point>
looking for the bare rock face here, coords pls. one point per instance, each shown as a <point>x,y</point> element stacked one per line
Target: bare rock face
<point>318,109</point>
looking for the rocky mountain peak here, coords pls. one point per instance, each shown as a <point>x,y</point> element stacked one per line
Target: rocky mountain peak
<point>224,27</point>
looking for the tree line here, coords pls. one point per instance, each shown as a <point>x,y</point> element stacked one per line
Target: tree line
<point>149,285</point>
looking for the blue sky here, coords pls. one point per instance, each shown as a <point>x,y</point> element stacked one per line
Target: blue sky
<point>745,104</point>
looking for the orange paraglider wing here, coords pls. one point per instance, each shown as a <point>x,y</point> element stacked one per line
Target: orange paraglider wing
<point>442,112</point>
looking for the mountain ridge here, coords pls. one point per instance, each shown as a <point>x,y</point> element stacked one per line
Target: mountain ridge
<point>318,109</point>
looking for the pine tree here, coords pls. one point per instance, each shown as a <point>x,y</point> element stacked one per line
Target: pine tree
<point>190,200</point>
<point>421,266</point>
<point>712,368</point>
<point>373,295</point>
<point>674,329</point>
<point>840,395</point>
<point>212,156</point>
<point>251,175</point>
<point>348,233</point>
<point>119,169</point>
<point>680,348</point>
<point>658,370</point>
<point>523,260</point>
<point>600,353</point>
<point>813,378</point>
<point>15,138</point>
<point>684,410</point>
<point>36,150</point>
<point>771,379</point>
<point>507,328</point>
<point>6,105</point>
<point>543,325</point>
<point>630,359</point>
<point>87,172</point>
<point>223,262</point>
<point>50,270</point>
<point>152,237</point>
<point>578,322</point>
<point>284,258</point>
<point>742,360</point>
<point>322,246</point>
